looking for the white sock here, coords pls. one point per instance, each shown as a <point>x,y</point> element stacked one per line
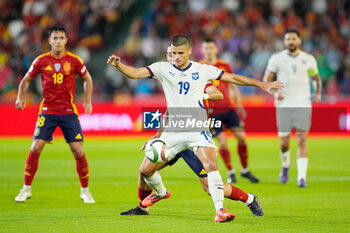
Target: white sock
<point>244,170</point>
<point>302,167</point>
<point>156,183</point>
<point>216,189</point>
<point>27,187</point>
<point>84,189</point>
<point>285,156</point>
<point>146,209</point>
<point>231,172</point>
<point>250,199</point>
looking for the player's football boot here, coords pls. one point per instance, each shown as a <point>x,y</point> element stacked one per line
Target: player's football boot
<point>250,177</point>
<point>301,183</point>
<point>231,178</point>
<point>255,207</point>
<point>24,194</point>
<point>284,175</point>
<point>223,216</point>
<point>86,196</point>
<point>153,198</point>
<point>135,211</point>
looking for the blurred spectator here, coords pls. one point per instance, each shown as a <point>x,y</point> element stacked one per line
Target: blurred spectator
<point>247,32</point>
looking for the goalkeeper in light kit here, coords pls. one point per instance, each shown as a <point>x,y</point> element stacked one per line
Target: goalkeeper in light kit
<point>58,69</point>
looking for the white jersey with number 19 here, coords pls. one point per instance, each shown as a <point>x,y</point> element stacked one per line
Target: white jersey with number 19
<point>294,72</point>
<point>184,88</point>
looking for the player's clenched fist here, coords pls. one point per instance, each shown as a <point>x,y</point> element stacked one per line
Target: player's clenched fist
<point>113,60</point>
<point>20,104</point>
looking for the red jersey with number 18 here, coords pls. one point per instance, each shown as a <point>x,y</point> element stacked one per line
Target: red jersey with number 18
<point>58,81</point>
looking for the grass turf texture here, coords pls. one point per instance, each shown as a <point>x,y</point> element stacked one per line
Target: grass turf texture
<point>56,207</point>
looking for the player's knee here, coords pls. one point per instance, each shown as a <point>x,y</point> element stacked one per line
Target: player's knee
<point>223,146</point>
<point>210,166</point>
<point>145,173</point>
<point>37,148</point>
<point>78,152</point>
<point>302,142</point>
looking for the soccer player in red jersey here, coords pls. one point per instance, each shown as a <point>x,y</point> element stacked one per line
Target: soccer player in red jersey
<point>58,69</point>
<point>224,111</point>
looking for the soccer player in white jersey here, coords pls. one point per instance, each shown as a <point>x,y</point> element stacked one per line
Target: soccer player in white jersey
<point>183,83</point>
<point>293,104</point>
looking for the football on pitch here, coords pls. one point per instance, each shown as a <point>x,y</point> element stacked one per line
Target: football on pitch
<point>157,151</point>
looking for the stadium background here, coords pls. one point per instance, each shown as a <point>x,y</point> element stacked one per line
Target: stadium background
<point>247,33</point>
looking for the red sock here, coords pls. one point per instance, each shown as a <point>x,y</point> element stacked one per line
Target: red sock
<point>226,156</point>
<point>31,167</point>
<point>238,194</point>
<point>243,154</point>
<point>143,194</point>
<point>83,170</point>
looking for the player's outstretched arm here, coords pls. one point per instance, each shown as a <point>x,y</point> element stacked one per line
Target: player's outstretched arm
<point>88,86</point>
<point>246,81</point>
<point>129,71</point>
<point>22,90</point>
<point>213,94</point>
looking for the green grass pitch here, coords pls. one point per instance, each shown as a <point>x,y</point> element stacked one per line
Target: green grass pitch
<point>324,206</point>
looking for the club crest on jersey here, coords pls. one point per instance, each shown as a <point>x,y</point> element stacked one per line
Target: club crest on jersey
<point>195,76</point>
<point>67,67</point>
<point>57,67</point>
<point>303,62</point>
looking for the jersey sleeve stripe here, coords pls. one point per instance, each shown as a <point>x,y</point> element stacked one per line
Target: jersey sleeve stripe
<point>76,56</point>
<point>150,71</point>
<point>220,75</point>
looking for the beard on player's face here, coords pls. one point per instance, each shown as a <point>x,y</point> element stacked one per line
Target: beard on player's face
<point>292,48</point>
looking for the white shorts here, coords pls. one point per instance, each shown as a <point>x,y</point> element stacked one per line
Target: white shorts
<point>292,118</point>
<point>180,141</point>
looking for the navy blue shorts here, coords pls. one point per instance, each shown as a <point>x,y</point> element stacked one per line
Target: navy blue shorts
<point>192,161</point>
<point>229,119</point>
<point>69,124</point>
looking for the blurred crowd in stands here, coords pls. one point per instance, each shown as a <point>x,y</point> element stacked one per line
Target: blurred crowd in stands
<point>23,33</point>
<point>247,33</point>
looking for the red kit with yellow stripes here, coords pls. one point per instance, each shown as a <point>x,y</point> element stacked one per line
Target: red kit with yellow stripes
<point>57,107</point>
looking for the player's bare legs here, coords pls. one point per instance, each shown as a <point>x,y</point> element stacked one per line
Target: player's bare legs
<point>150,174</point>
<point>31,166</point>
<point>242,151</point>
<point>226,157</point>
<point>207,156</point>
<point>82,168</point>
<point>302,160</point>
<point>217,189</point>
<point>285,157</point>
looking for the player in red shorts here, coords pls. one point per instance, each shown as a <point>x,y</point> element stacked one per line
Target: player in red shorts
<point>58,69</point>
<point>224,111</point>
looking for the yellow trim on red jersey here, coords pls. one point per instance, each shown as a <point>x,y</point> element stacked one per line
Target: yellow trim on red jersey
<point>76,56</point>
<point>41,105</point>
<point>41,55</point>
<point>75,110</point>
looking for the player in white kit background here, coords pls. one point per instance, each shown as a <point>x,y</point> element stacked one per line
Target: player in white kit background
<point>293,104</point>
<point>183,83</point>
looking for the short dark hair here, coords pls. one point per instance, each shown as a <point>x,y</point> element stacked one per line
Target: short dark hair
<point>292,30</point>
<point>55,29</point>
<point>179,40</point>
<point>209,40</point>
